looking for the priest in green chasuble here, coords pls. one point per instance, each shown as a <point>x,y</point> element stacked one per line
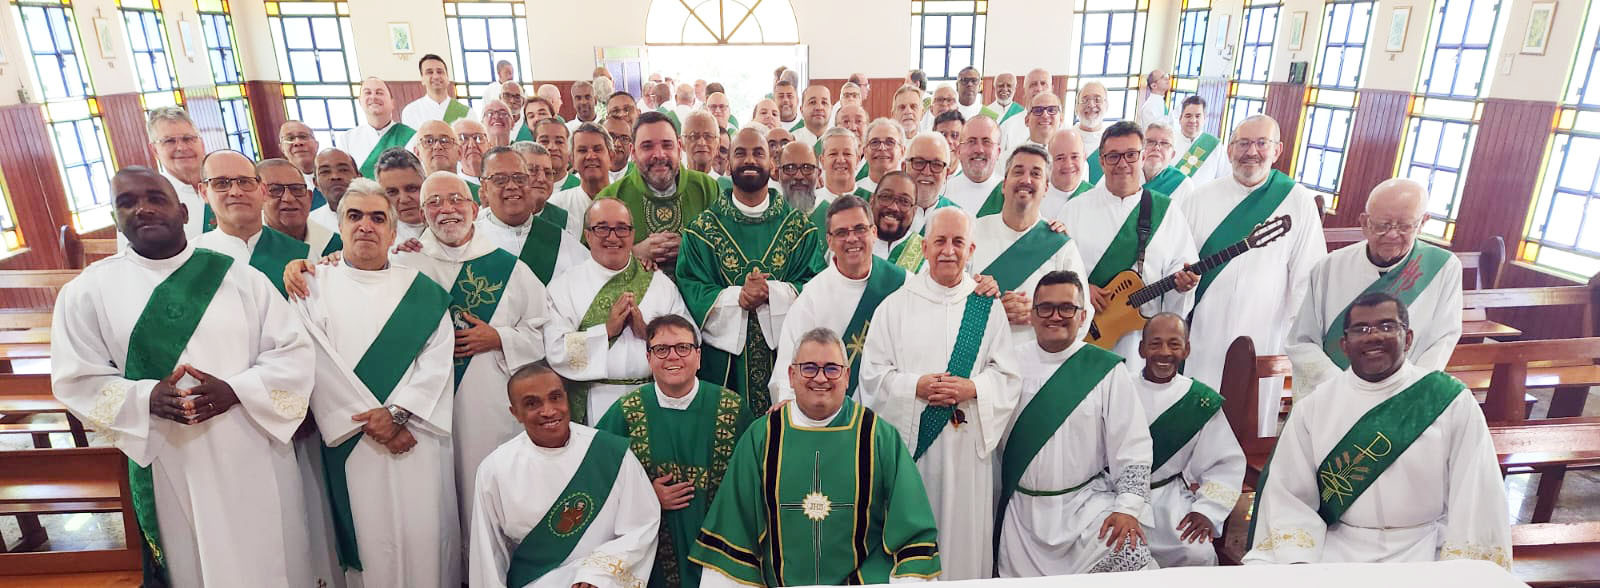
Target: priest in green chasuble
<point>233,189</point>
<point>743,264</point>
<point>683,431</point>
<point>662,195</point>
<point>819,492</point>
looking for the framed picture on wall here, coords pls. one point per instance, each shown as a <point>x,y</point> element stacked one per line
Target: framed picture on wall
<point>400,38</point>
<point>1398,21</point>
<point>1539,21</point>
<point>1297,30</point>
<point>104,38</point>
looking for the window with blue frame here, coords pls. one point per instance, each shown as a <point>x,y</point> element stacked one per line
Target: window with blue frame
<point>1258,30</point>
<point>1332,99</point>
<point>147,40</point>
<point>1560,235</point>
<point>947,35</point>
<point>315,50</point>
<point>1110,49</point>
<point>55,56</point>
<point>216,24</point>
<point>483,33</point>
<point>1194,20</point>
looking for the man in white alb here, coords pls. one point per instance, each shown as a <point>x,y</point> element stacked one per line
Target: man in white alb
<point>1014,129</point>
<point>886,146</point>
<point>379,129</point>
<point>1091,122</point>
<point>969,92</point>
<point>1160,176</point>
<point>335,170</point>
<point>1157,85</point>
<point>979,153</point>
<point>815,105</point>
<point>179,150</point>
<point>437,103</point>
<point>515,194</point>
<point>1198,151</point>
<point>840,154</point>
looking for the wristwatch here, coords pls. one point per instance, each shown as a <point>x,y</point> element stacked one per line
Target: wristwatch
<point>399,415</point>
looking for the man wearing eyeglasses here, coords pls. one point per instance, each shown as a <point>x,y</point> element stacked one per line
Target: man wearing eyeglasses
<point>927,157</point>
<point>1256,293</point>
<point>596,335</point>
<point>815,106</point>
<point>662,196</point>
<point>979,152</point>
<point>378,130</point>
<point>848,505</point>
<point>1160,175</point>
<point>700,142</point>
<point>1091,112</point>
<point>439,102</point>
<point>299,145</point>
<point>234,190</point>
<point>1426,278</point>
<point>969,92</point>
<point>885,151</point>
<point>1037,82</point>
<point>180,150</point>
<point>288,206</point>
<point>943,100</point>
<point>797,180</point>
<point>516,194</point>
<point>1386,461</point>
<point>1042,119</point>
<point>1154,108</point>
<point>717,105</point>
<point>474,140</point>
<point>689,427</point>
<point>621,132</point>
<point>1075,476</point>
<point>497,122</point>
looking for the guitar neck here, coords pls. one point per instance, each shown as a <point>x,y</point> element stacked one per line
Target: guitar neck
<point>1167,284</point>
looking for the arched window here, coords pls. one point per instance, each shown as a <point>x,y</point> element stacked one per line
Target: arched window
<point>720,22</point>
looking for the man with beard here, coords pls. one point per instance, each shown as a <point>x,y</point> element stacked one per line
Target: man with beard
<point>591,162</point>
<point>1003,107</point>
<point>939,365</point>
<point>335,170</point>
<point>621,133</point>
<point>969,92</point>
<point>785,95</point>
<point>1035,83</point>
<point>1091,123</point>
<point>660,193</point>
<point>886,144</point>
<point>299,145</point>
<point>378,130</point>
<point>621,105</point>
<point>892,204</point>
<point>949,125</point>
<point>583,102</point>
<point>943,100</point>
<point>1159,175</point>
<point>1192,446</point>
<point>552,134</point>
<point>907,110</point>
<point>439,150</point>
<point>1120,226</point>
<point>1075,479</point>
<point>1067,170</point>
<point>1426,278</point>
<point>1255,293</point>
<point>597,336</point>
<point>841,150</point>
<point>511,95</point>
<point>815,105</point>
<point>1195,147</point>
<point>233,189</point>
<point>743,263</point>
<point>979,151</point>
<point>1428,486</point>
<point>717,105</point>
<point>474,140</point>
<point>700,141</point>
<point>797,180</point>
<point>401,175</point>
<point>288,206</point>
<point>516,190</point>
<point>766,113</point>
<point>927,156</point>
<point>437,103</point>
<point>497,122</point>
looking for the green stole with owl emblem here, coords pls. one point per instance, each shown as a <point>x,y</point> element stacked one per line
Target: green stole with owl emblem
<point>551,541</point>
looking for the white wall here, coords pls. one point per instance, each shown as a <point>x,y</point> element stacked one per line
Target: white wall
<point>1397,71</point>
<point>1026,35</point>
<point>1538,77</point>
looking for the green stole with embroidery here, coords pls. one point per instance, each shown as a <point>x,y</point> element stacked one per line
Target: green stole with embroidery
<point>479,286</point>
<point>1407,280</point>
<point>454,111</point>
<point>1166,182</point>
<point>997,200</point>
<point>397,136</point>
<point>908,254</point>
<point>884,280</point>
<point>382,366</point>
<point>551,541</point>
<point>541,248</point>
<point>963,356</point>
<point>633,279</point>
<point>1122,251</point>
<point>1181,422</point>
<point>273,251</point>
<point>1192,159</point>
<point>159,337</point>
<point>1378,439</point>
<point>1254,210</point>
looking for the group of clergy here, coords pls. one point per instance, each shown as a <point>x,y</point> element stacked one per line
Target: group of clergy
<point>493,346</point>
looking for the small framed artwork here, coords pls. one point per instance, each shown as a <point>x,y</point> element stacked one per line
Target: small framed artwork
<point>186,36</point>
<point>1297,30</point>
<point>1538,35</point>
<point>1398,21</point>
<point>105,38</point>
<point>400,38</point>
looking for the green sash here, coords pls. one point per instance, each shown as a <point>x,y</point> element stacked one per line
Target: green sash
<point>1254,210</point>
<point>159,337</point>
<point>1378,439</point>
<point>885,279</point>
<point>632,279</point>
<point>275,250</point>
<point>974,319</point>
<point>397,136</point>
<point>382,366</point>
<point>570,182</point>
<point>479,286</point>
<point>1095,169</point>
<point>472,186</point>
<point>541,247</point>
<point>553,539</point>
<point>1043,416</point>
<point>1000,118</point>
<point>334,244</point>
<point>1406,281</point>
<point>1197,153</point>
<point>1025,256</point>
<point>819,215</point>
<point>996,200</point>
<point>1166,182</point>
<point>908,254</point>
<point>523,134</point>
<point>455,111</point>
<point>1123,249</point>
<point>555,214</point>
<point>1181,422</point>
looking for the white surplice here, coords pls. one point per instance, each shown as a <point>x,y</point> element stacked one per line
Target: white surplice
<point>1215,165</point>
<point>511,238</point>
<point>913,334</point>
<point>576,202</point>
<point>1153,109</point>
<point>360,140</point>
<point>1337,280</point>
<point>588,355</point>
<point>829,301</point>
<point>1103,443</point>
<point>1091,138</point>
<point>1257,294</point>
<point>724,327</point>
<point>403,505</point>
<point>970,195</point>
<point>994,237</point>
<point>227,491</point>
<point>517,485</point>
<point>1212,459</point>
<point>422,110</point>
<point>1095,217</point>
<point>1442,499</point>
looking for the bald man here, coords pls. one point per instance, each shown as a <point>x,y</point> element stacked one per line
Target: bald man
<point>1004,106</point>
<point>1157,85</point>
<point>378,130</point>
<point>437,147</point>
<point>1390,259</point>
<point>234,190</point>
<point>474,141</point>
<point>552,94</point>
<point>683,101</point>
<point>979,153</point>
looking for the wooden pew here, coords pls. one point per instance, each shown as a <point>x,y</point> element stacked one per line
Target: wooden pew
<point>65,481</point>
<point>23,396</point>
<point>25,332</point>
<point>79,250</point>
<point>1546,554</point>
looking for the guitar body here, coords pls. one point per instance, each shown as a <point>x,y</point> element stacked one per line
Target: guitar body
<point>1120,317</point>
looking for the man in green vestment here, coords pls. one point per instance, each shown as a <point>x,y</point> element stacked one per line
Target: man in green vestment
<point>662,196</point>
<point>744,261</point>
<point>1159,154</point>
<point>1196,149</point>
<point>288,205</point>
<point>683,430</point>
<point>788,515</point>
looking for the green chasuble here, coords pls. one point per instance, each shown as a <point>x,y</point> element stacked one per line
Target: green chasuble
<point>833,505</point>
<point>633,279</point>
<point>523,134</point>
<point>996,200</point>
<point>691,445</point>
<point>719,249</point>
<point>397,136</point>
<point>455,111</point>
<point>651,214</point>
<point>1406,281</point>
<point>273,251</point>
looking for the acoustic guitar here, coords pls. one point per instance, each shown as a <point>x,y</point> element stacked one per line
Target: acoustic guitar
<point>1128,291</point>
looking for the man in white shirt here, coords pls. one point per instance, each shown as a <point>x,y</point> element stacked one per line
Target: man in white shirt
<point>437,103</point>
<point>814,107</point>
<point>979,152</point>
<point>335,170</point>
<point>943,100</point>
<point>552,134</point>
<point>288,206</point>
<point>496,119</point>
<point>700,141</point>
<point>1091,123</point>
<point>179,149</point>
<point>234,188</point>
<point>401,175</point>
<point>474,140</point>
<point>969,92</point>
<point>583,101</point>
<point>1157,85</point>
<point>504,71</point>
<point>785,96</point>
<point>621,133</point>
<point>378,130</point>
<point>907,110</point>
<point>841,152</point>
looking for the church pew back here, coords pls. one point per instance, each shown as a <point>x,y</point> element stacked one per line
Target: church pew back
<point>80,251</point>
<point>60,481</point>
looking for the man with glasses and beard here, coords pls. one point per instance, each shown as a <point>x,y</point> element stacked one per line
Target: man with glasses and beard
<point>744,260</point>
<point>797,173</point>
<point>1003,107</point>
<point>979,152</point>
<point>1092,123</point>
<point>659,192</point>
<point>891,208</point>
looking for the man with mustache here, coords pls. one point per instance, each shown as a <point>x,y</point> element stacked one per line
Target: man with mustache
<point>335,170</point>
<point>661,193</point>
<point>299,145</point>
<point>785,96</point>
<point>474,140</point>
<point>700,141</point>
<point>591,163</point>
<point>438,103</point>
<point>516,189</point>
<point>206,402</point>
<point>561,504</point>
<point>1122,224</point>
<point>907,110</point>
<point>797,181</point>
<point>601,308</point>
<point>892,204</point>
<point>1390,259</point>
<point>1067,172</point>
<point>288,206</point>
<point>379,129</point>
<point>1197,467</point>
<point>927,157</point>
<point>621,105</point>
<point>815,106</point>
<point>234,189</point>
<point>401,175</point>
<point>1195,146</point>
<point>969,92</point>
<point>979,152</point>
<point>1003,108</point>
<point>1037,82</point>
<point>1160,176</point>
<point>1091,123</point>
<point>1429,487</point>
<point>1075,479</point>
<point>1255,293</point>
<point>743,262</point>
<point>1157,84</point>
<point>940,366</point>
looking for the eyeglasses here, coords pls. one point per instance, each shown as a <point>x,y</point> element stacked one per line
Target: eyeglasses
<point>479,138</point>
<point>1385,228</point>
<point>1046,310</point>
<point>497,115</point>
<point>1121,156</point>
<point>1158,144</point>
<point>1385,327</point>
<point>1092,100</point>
<point>173,141</point>
<point>1043,110</point>
<point>895,201</point>
<point>919,164</point>
<point>295,138</point>
<point>277,190</point>
<point>803,168</point>
<point>548,173</point>
<point>1243,144</point>
<point>222,184</point>
<point>882,143</point>
<point>437,141</point>
<point>607,231</point>
<point>808,370</point>
<point>435,202</point>
<point>706,137</point>
<point>855,231</point>
<point>681,349</point>
<point>501,180</point>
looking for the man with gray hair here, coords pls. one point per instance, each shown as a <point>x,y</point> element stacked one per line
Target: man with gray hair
<point>591,150</point>
<point>1092,101</point>
<point>401,175</point>
<point>583,100</point>
<point>496,119</point>
<point>1157,163</point>
<point>288,205</point>
<point>179,149</point>
<point>1003,107</point>
<point>516,190</point>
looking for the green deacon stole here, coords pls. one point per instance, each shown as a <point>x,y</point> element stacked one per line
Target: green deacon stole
<point>317,199</point>
<point>799,123</point>
<point>551,541</point>
<point>555,214</point>
<point>523,134</point>
<point>570,182</point>
<point>397,136</point>
<point>159,337</point>
<point>540,248</point>
<point>455,111</point>
<point>863,173</point>
<point>1378,439</point>
<point>334,244</point>
<point>275,250</point>
<point>382,366</point>
<point>1182,421</point>
<point>479,286</point>
<point>633,279</point>
<point>1025,256</point>
<point>1254,210</point>
<point>1406,281</point>
<point>1095,169</point>
<point>208,222</point>
<point>884,279</point>
<point>1043,416</point>
<point>996,200</point>
<point>819,215</point>
<point>1167,181</point>
<point>999,117</point>
<point>1197,153</point>
<point>965,353</point>
<point>908,254</point>
<point>1122,251</point>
